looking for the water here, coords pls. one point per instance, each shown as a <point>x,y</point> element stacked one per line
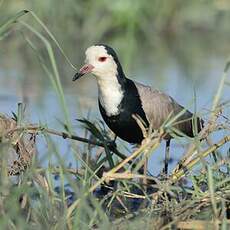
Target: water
<point>30,85</point>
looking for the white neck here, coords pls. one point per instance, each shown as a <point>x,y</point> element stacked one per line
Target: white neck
<point>110,94</point>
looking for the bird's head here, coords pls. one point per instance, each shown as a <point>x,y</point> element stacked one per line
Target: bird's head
<point>101,61</point>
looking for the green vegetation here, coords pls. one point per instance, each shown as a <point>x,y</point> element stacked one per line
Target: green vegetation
<point>106,191</point>
<point>163,28</point>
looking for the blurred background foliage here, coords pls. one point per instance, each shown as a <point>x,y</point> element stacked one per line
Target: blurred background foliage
<point>160,27</point>
<point>155,40</point>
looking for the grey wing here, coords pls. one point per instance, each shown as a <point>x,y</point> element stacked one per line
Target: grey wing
<point>159,107</point>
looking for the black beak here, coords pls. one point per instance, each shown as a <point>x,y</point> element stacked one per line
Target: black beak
<point>87,68</point>
<point>77,76</point>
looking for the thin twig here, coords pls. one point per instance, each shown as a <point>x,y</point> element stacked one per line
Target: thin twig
<point>182,171</point>
<point>36,128</point>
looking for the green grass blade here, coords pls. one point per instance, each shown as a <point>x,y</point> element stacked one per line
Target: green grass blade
<point>6,26</point>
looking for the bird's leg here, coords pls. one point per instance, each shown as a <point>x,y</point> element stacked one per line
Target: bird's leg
<point>166,157</point>
<point>145,171</point>
<point>145,167</point>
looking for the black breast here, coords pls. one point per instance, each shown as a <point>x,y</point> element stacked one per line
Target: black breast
<point>123,124</point>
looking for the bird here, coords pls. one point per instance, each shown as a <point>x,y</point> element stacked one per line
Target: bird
<point>120,98</point>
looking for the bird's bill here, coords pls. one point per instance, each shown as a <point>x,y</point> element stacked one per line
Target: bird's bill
<point>87,68</point>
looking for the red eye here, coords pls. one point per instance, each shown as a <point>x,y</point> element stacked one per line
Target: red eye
<point>102,59</point>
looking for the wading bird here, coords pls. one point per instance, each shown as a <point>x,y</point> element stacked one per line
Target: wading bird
<point>120,98</point>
